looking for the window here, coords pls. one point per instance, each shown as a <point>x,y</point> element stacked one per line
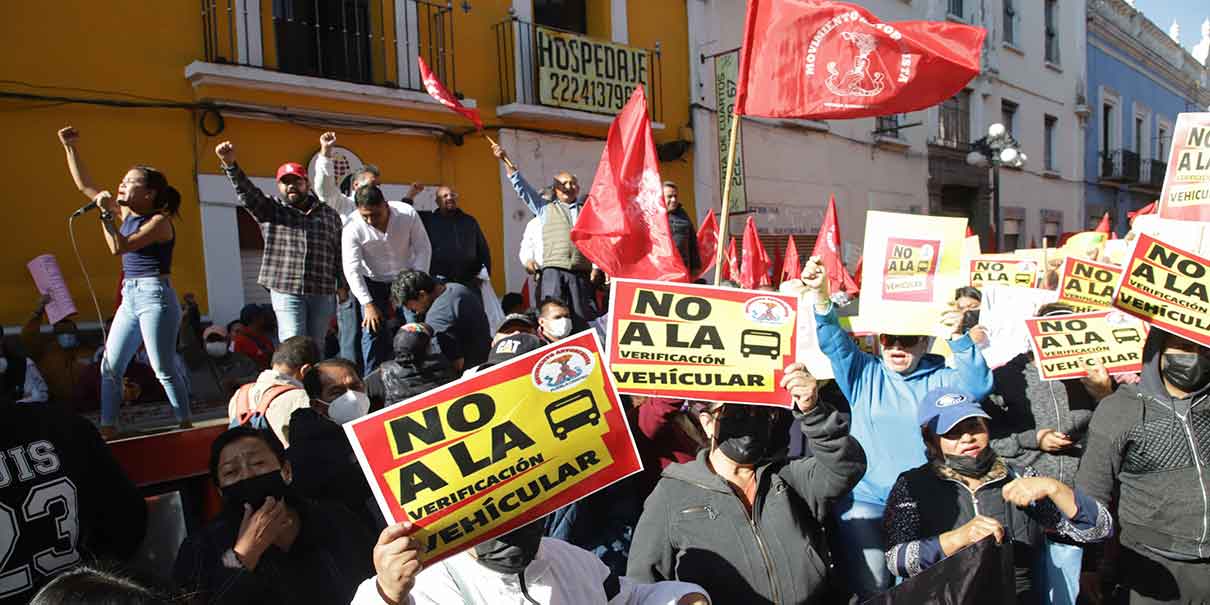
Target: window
<point>1008,115</point>
<point>953,124</point>
<point>1048,142</point>
<point>887,126</point>
<point>1010,22</point>
<point>326,38</point>
<point>1012,234</point>
<point>1052,31</point>
<point>955,9</point>
<point>1161,143</point>
<point>1139,133</point>
<point>1051,231</point>
<point>571,15</point>
<point>1108,117</point>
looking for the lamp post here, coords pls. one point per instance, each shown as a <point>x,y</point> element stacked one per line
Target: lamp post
<point>998,148</point>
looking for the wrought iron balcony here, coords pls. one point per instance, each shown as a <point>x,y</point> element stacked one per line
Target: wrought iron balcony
<point>1120,165</point>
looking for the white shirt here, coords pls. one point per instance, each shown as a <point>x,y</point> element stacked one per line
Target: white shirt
<point>35,389</point>
<point>382,255</point>
<point>531,243</point>
<point>561,574</point>
<point>328,190</point>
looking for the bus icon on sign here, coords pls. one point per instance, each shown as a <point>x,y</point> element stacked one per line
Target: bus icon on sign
<point>1124,335</point>
<point>760,342</point>
<point>572,412</point>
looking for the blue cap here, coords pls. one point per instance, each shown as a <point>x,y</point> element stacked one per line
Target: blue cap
<point>942,409</point>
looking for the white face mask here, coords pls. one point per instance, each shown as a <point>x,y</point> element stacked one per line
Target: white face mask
<point>350,406</point>
<point>216,349</point>
<point>558,328</point>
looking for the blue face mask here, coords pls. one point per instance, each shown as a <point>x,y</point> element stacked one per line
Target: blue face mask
<point>68,341</point>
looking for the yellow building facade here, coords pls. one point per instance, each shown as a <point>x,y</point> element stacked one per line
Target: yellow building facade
<point>163,82</point>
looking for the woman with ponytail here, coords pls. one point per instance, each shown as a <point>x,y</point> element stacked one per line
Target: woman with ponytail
<point>149,313</point>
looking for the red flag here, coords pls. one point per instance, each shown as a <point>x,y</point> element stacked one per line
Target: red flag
<point>791,266</point>
<point>623,227</point>
<point>815,59</point>
<point>775,268</point>
<point>443,96</point>
<point>525,296</point>
<point>731,257</point>
<point>857,272</point>
<point>1103,226</point>
<point>707,243</point>
<point>1148,209</point>
<point>827,248</point>
<point>969,232</point>
<point>755,271</point>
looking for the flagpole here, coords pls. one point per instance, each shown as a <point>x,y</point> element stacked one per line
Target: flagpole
<point>507,161</point>
<point>722,224</point>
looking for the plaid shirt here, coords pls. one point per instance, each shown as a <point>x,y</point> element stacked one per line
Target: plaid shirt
<point>302,247</point>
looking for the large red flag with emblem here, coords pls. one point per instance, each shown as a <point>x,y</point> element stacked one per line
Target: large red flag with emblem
<point>731,262</point>
<point>755,271</point>
<point>443,96</point>
<point>791,266</point>
<point>623,227</point>
<point>823,60</point>
<point>707,243</point>
<point>827,248</point>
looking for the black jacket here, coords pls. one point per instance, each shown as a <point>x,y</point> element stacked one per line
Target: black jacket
<point>694,528</point>
<point>684,236</point>
<point>325,468</point>
<point>327,562</point>
<point>397,380</point>
<point>459,247</point>
<point>1152,451</point>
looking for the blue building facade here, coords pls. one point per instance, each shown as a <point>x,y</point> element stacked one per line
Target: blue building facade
<point>1138,80</point>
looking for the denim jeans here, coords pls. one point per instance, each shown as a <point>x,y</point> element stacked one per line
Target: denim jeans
<point>348,324</point>
<point>377,345</point>
<point>861,555</point>
<point>149,315</point>
<point>305,314</point>
<point>1057,573</point>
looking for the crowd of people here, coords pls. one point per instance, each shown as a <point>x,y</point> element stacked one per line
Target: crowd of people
<point>867,480</point>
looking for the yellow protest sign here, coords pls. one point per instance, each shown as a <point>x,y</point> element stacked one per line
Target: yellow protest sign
<point>1005,270</point>
<point>698,342</point>
<point>482,456</point>
<point>1064,344</point>
<point>1086,285</point>
<point>912,265</point>
<point>1167,287</point>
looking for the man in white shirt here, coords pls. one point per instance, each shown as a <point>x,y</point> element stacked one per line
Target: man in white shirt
<point>383,240</point>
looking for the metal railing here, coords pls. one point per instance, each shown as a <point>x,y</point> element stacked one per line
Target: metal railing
<point>953,128</point>
<point>1120,165</point>
<point>518,64</point>
<point>359,41</point>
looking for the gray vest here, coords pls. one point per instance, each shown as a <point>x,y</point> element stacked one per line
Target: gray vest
<point>557,248</point>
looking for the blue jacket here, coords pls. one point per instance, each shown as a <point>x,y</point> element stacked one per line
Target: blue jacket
<point>884,402</point>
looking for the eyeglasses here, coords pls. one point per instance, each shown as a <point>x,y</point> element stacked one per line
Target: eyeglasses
<point>890,340</point>
<point>566,184</point>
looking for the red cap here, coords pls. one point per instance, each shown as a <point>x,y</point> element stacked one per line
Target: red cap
<point>291,168</point>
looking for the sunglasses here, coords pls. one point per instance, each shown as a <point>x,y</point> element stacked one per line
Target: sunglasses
<point>907,342</point>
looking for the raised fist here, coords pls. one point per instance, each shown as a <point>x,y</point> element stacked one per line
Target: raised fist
<point>326,141</point>
<point>69,136</point>
<point>225,152</point>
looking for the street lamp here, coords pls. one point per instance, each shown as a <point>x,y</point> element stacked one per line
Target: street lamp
<point>998,148</point>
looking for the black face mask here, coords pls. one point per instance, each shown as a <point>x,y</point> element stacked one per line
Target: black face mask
<point>744,434</point>
<point>972,466</point>
<point>254,490</point>
<point>1188,372</point>
<point>512,552</point>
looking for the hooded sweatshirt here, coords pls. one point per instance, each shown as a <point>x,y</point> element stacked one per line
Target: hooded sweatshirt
<point>884,402</point>
<point>1152,450</point>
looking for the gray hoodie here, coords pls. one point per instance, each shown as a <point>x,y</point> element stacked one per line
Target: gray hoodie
<point>694,528</point>
<point>1152,451</point>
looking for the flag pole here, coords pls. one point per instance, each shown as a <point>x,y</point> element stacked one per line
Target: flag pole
<point>507,161</point>
<point>722,224</point>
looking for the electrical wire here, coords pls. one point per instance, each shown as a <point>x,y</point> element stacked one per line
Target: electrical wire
<point>71,234</point>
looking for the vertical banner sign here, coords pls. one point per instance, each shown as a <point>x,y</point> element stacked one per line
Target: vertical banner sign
<point>698,342</point>
<point>577,72</point>
<point>1167,287</point>
<point>482,456</point>
<point>1063,345</point>
<point>1186,192</point>
<point>908,280</point>
<point>1086,285</point>
<point>726,70</point>
<point>1006,271</point>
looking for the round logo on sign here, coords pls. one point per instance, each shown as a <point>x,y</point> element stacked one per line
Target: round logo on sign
<point>767,310</point>
<point>858,61</point>
<point>562,368</point>
<point>1116,318</point>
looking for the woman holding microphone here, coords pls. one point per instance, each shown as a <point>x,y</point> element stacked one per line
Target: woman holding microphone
<point>149,313</point>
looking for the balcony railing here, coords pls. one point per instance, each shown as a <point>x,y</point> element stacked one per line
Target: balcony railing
<point>541,65</point>
<point>953,129</point>
<point>360,41</point>
<point>1120,165</point>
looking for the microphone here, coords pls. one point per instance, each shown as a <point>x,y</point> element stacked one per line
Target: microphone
<point>84,208</point>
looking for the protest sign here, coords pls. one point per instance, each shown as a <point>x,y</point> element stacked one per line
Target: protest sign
<point>1064,344</point>
<point>1086,285</point>
<point>49,280</point>
<point>1167,286</point>
<point>1186,235</point>
<point>1186,191</point>
<point>909,279</point>
<point>482,456</point>
<point>726,72</point>
<point>1006,270</point>
<point>699,342</point>
<point>1003,314</point>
